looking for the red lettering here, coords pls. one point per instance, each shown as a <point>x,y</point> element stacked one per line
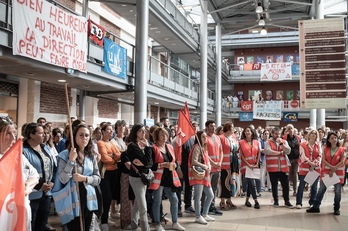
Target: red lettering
<point>32,4</point>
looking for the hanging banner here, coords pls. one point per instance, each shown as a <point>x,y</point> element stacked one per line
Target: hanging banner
<point>267,110</point>
<point>96,33</point>
<point>48,34</point>
<point>291,105</point>
<point>275,71</point>
<point>115,59</point>
<point>246,106</point>
<point>246,116</point>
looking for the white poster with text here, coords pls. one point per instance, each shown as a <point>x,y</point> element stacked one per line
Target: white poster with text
<point>48,34</point>
<point>276,71</point>
<point>267,110</point>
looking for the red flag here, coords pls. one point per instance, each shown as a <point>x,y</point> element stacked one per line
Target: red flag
<point>184,132</point>
<point>187,112</point>
<point>12,206</point>
<point>96,32</point>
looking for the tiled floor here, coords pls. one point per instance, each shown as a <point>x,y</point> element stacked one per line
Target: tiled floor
<point>267,218</point>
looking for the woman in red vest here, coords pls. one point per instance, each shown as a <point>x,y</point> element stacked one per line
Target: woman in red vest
<point>332,163</point>
<point>250,153</point>
<point>199,157</point>
<point>310,160</point>
<point>166,178</point>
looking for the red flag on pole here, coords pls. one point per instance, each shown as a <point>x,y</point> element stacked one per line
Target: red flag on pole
<point>12,206</point>
<point>184,132</point>
<point>187,112</point>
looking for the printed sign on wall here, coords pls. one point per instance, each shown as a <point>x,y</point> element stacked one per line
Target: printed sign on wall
<point>246,116</point>
<point>48,34</point>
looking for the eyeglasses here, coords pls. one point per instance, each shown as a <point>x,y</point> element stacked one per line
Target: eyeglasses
<point>7,119</point>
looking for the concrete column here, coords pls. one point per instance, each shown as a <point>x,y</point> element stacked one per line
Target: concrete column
<point>218,76</point>
<point>141,51</point>
<point>169,58</point>
<point>127,113</point>
<point>312,118</point>
<point>204,65</point>
<point>320,15</point>
<point>82,105</point>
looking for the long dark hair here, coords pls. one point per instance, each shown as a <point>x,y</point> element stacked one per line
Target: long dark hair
<point>253,134</point>
<point>328,144</point>
<point>198,138</point>
<point>31,129</point>
<point>88,151</point>
<point>134,131</point>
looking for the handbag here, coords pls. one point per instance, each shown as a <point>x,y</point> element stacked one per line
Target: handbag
<point>198,172</point>
<point>146,178</point>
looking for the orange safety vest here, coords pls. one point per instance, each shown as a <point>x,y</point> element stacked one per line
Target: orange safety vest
<point>303,167</point>
<point>158,173</point>
<point>213,149</point>
<point>226,150</point>
<point>206,180</point>
<point>276,163</point>
<point>337,157</point>
<point>250,154</point>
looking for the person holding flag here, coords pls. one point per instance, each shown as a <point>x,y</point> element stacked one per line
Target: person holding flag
<point>11,162</point>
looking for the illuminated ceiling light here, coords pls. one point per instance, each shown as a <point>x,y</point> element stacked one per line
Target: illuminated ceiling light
<point>259,8</point>
<point>156,103</point>
<point>262,22</point>
<point>62,80</point>
<point>263,31</point>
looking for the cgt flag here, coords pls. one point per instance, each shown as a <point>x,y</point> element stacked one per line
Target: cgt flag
<point>12,207</point>
<point>184,132</point>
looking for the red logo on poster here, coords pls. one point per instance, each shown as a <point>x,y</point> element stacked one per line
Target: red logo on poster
<point>246,105</point>
<point>294,103</point>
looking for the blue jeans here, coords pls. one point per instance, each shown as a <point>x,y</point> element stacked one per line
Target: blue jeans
<point>314,191</point>
<point>157,200</point>
<point>198,190</point>
<point>139,208</point>
<point>322,190</point>
<point>251,188</point>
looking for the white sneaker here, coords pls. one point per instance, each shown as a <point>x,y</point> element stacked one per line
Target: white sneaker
<point>208,218</point>
<point>177,226</point>
<point>111,223</point>
<point>298,206</point>
<point>201,220</point>
<point>128,227</point>
<point>104,227</point>
<point>159,228</point>
<point>115,215</point>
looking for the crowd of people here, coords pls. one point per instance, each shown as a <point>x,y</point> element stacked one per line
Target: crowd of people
<point>94,174</point>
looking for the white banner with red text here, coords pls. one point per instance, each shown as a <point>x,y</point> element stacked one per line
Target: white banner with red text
<point>48,34</point>
<point>276,71</point>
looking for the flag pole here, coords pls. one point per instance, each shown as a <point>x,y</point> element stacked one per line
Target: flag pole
<point>72,146</point>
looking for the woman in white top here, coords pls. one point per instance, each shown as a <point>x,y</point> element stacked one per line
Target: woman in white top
<point>8,133</point>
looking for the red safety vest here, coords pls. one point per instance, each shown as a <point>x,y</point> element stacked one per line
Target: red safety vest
<point>226,150</point>
<point>276,163</point>
<point>250,154</point>
<point>158,173</point>
<point>213,149</point>
<point>206,180</point>
<point>337,157</point>
<point>303,167</point>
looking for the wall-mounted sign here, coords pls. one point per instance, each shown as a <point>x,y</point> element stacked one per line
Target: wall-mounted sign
<point>322,63</point>
<point>246,116</point>
<point>290,116</point>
